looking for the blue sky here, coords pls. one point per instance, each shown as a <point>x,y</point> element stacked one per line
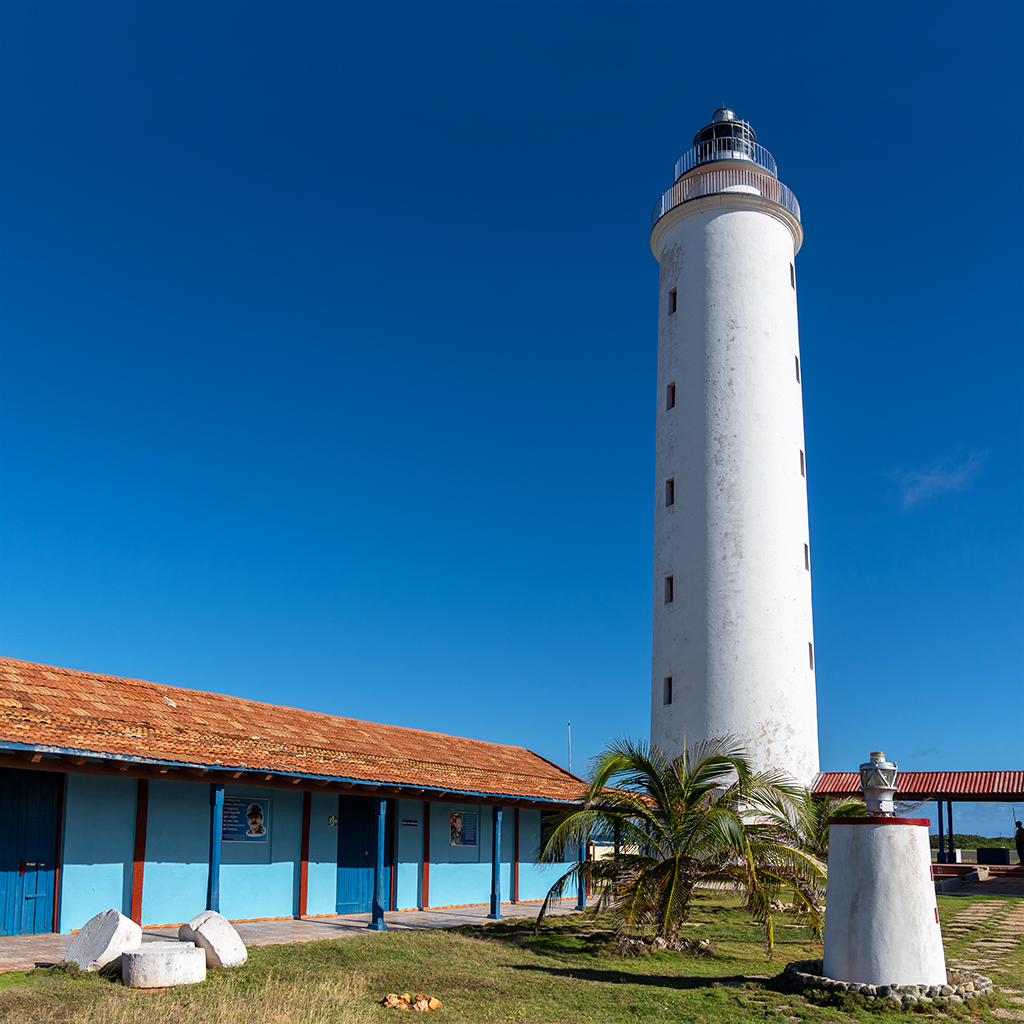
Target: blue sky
<point>329,338</point>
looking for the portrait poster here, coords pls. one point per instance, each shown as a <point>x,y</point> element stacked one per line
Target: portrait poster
<point>463,828</point>
<point>246,819</point>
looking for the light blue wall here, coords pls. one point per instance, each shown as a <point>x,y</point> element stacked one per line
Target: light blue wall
<point>409,857</point>
<point>177,852</point>
<point>535,878</point>
<point>262,879</point>
<point>462,874</point>
<point>322,881</point>
<point>98,846</point>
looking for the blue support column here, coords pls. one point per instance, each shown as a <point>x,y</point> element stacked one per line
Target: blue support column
<point>495,914</point>
<point>951,859</point>
<point>941,857</point>
<point>581,895</point>
<point>216,822</point>
<point>377,917</point>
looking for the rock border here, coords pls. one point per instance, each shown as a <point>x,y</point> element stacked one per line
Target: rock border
<point>806,974</point>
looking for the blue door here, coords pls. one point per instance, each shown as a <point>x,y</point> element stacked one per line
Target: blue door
<point>29,814</point>
<point>357,853</point>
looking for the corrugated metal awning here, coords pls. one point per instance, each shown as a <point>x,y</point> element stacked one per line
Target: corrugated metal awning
<point>956,785</point>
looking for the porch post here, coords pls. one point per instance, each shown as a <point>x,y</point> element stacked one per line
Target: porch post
<point>495,914</point>
<point>581,894</point>
<point>949,832</point>
<point>216,822</point>
<point>941,858</point>
<point>377,917</point>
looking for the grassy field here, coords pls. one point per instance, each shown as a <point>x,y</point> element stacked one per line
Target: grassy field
<point>569,972</point>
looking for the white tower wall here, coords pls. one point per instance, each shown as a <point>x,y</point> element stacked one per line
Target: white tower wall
<point>881,922</point>
<point>735,638</point>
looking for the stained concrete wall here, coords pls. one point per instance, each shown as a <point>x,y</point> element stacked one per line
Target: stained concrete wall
<point>735,637</point>
<point>881,922</point>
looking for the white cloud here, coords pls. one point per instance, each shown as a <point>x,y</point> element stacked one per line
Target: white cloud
<point>942,477</point>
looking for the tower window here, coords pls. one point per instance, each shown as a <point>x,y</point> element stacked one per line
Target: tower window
<point>668,590</point>
<point>667,696</point>
<point>807,558</point>
<point>670,492</point>
<point>792,276</point>
<point>810,654</point>
<point>672,300</point>
<point>670,396</point>
<point>797,358</point>
<point>803,465</point>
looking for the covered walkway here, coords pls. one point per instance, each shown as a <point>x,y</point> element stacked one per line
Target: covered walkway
<point>23,952</point>
<point>942,787</point>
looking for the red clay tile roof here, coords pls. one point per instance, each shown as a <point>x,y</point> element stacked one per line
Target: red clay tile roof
<point>46,707</point>
<point>972,786</point>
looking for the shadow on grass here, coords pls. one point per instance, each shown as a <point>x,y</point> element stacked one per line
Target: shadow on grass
<point>682,983</point>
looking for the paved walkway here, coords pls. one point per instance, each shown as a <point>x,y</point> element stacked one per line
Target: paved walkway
<point>988,955</point>
<point>23,952</point>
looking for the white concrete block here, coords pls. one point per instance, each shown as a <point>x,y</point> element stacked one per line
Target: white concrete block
<point>163,965</point>
<point>102,940</point>
<point>881,923</point>
<point>214,933</point>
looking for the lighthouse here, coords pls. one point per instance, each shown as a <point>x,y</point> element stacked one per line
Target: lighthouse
<point>733,645</point>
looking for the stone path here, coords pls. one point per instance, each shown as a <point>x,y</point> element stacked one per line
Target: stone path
<point>989,955</point>
<point>23,952</point>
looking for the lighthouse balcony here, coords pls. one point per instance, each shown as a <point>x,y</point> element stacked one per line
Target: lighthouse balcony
<point>725,180</point>
<point>732,147</point>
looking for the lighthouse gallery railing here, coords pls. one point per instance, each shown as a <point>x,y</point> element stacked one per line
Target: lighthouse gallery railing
<point>732,179</point>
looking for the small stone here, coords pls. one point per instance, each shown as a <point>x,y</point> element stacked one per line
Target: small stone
<point>946,990</point>
<point>102,940</point>
<point>215,935</point>
<point>434,1003</point>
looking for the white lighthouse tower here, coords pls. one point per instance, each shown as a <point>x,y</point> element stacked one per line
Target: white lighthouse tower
<point>733,638</point>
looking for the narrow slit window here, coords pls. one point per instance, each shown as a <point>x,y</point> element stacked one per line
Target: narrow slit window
<point>807,558</point>
<point>667,696</point>
<point>810,654</point>
<point>670,492</point>
<point>670,396</point>
<point>672,300</point>
<point>797,358</point>
<point>803,465</point>
<point>792,276</point>
<point>669,590</point>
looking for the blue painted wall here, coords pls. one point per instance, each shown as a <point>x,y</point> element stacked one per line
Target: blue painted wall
<point>535,878</point>
<point>262,879</point>
<point>322,881</point>
<point>177,852</point>
<point>409,857</point>
<point>98,845</point>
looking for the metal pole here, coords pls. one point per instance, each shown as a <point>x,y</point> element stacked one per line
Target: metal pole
<point>377,917</point>
<point>568,726</point>
<point>949,832</point>
<point>941,858</point>
<point>495,914</point>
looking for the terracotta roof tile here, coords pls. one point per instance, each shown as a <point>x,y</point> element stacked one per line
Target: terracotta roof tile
<point>45,706</point>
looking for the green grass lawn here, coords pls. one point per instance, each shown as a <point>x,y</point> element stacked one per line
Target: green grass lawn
<point>502,972</point>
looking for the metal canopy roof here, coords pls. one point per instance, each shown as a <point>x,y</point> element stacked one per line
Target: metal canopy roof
<point>1002,787</point>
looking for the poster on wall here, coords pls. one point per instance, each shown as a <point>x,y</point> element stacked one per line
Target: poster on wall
<point>463,828</point>
<point>246,819</point>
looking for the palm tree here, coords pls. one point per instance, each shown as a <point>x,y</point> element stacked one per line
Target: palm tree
<point>680,822</point>
<point>804,820</point>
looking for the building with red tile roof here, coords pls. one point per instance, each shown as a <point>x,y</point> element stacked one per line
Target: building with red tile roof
<point>161,801</point>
